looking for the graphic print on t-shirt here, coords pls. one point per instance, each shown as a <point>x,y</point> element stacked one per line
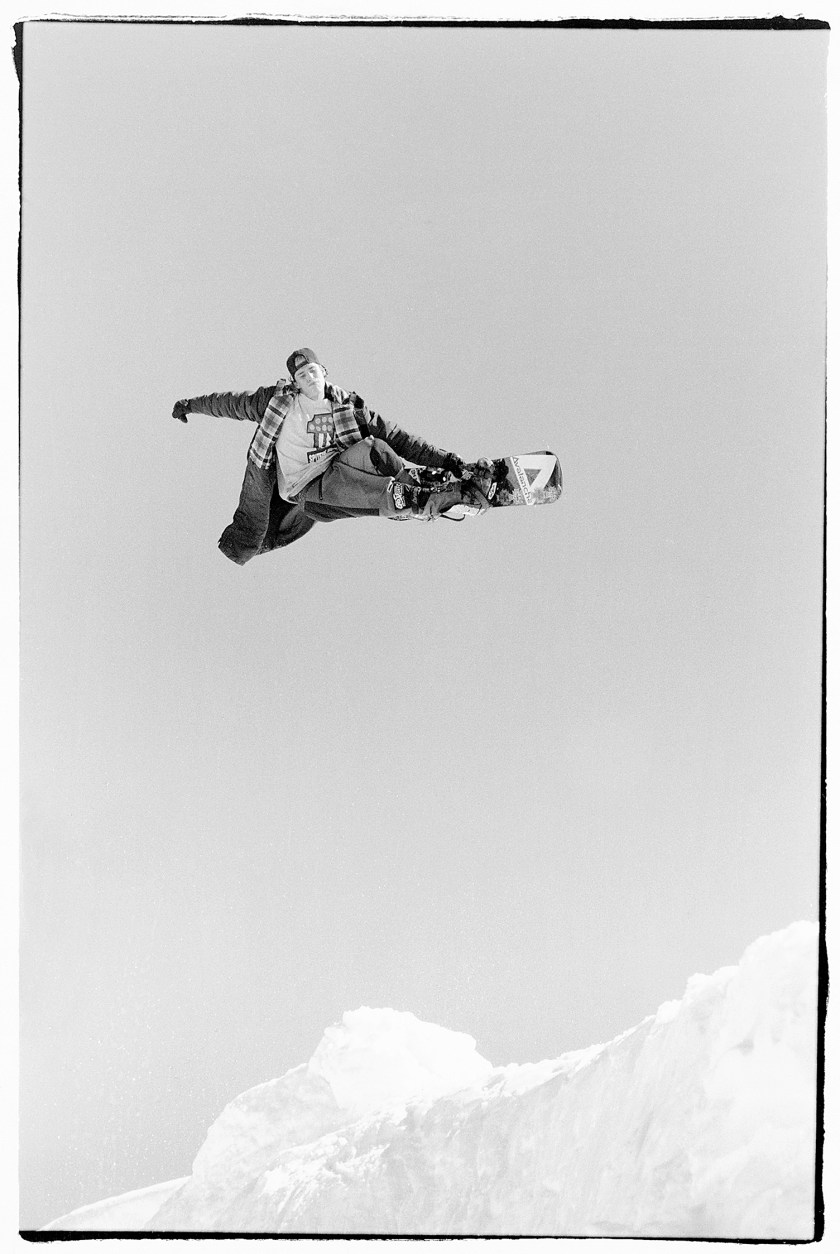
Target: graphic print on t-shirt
<point>322,428</point>
<point>305,445</point>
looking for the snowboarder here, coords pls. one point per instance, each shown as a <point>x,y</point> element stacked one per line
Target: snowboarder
<point>319,454</point>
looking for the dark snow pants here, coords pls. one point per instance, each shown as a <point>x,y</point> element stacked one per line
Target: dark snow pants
<point>354,484</point>
<point>263,520</point>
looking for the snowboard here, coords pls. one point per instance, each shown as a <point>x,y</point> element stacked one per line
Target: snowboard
<point>523,479</point>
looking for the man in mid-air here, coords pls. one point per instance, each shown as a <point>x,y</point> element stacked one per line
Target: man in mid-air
<point>319,454</point>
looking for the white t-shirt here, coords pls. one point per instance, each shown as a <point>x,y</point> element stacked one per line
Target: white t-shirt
<point>305,445</point>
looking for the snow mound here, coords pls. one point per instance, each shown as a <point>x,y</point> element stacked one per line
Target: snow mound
<point>383,1058</point>
<point>127,1212</point>
<point>699,1122</point>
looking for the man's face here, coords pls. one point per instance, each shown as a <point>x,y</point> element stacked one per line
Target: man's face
<point>310,379</point>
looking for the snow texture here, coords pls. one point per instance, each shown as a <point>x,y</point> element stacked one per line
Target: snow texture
<point>699,1122</point>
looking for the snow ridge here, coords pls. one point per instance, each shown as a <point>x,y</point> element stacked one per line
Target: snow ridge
<point>698,1122</point>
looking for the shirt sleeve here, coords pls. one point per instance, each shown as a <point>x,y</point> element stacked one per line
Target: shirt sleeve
<point>241,406</point>
<point>411,447</point>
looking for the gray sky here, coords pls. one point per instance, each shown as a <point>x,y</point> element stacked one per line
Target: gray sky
<point>521,777</point>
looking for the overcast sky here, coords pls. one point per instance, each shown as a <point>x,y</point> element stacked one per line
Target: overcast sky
<point>521,777</point>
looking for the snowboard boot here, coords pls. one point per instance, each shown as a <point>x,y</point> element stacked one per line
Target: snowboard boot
<point>478,486</point>
<point>471,502</point>
<point>482,475</point>
<point>426,492</point>
<point>419,501</point>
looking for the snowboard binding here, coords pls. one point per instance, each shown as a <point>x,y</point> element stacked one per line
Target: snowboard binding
<point>424,493</point>
<point>479,482</point>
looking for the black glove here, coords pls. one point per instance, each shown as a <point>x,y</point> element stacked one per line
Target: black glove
<point>482,474</point>
<point>454,464</point>
<point>180,411</point>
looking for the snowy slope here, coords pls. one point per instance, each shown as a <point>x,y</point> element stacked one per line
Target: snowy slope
<point>698,1122</point>
<point>126,1213</point>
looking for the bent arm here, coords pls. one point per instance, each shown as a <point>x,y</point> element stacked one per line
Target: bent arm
<point>411,447</point>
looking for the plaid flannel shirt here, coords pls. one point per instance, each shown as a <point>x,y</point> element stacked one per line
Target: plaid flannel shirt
<point>348,412</point>
<point>268,407</point>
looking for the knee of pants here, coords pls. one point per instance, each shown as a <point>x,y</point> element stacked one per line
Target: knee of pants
<point>384,459</point>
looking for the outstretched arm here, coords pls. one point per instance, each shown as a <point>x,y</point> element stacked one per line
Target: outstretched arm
<point>241,406</point>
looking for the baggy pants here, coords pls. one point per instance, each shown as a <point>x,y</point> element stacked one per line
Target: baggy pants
<point>354,484</point>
